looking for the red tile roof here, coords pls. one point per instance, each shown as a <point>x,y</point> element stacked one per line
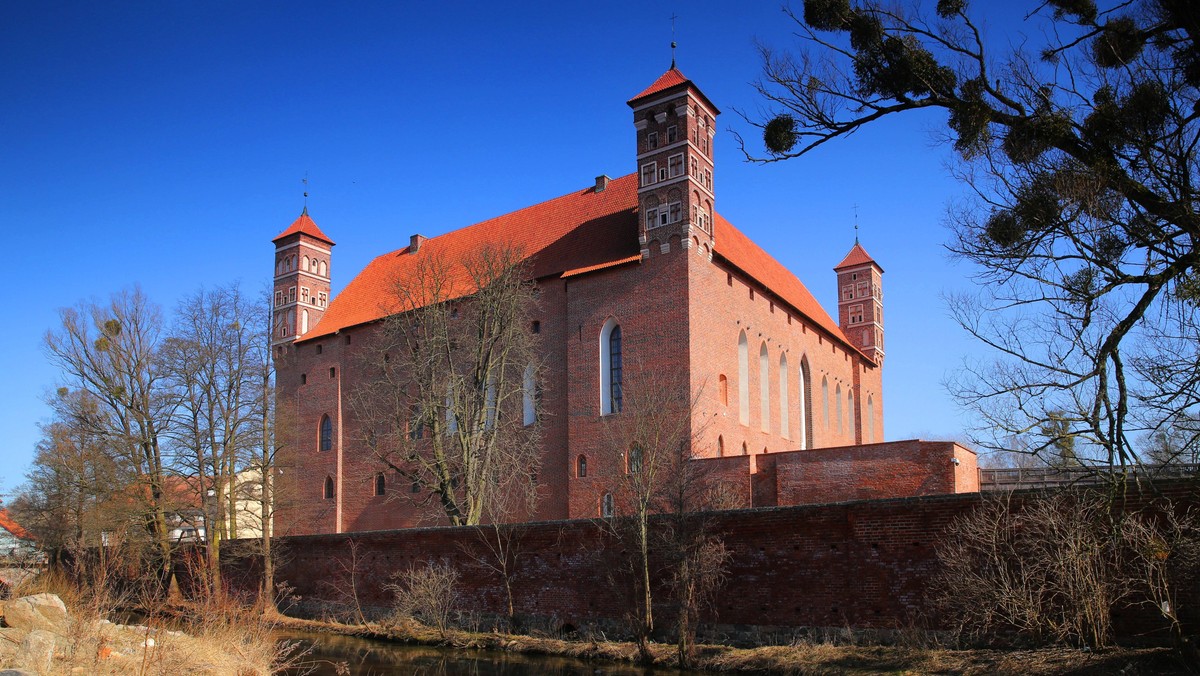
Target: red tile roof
<point>669,79</point>
<point>304,225</point>
<point>571,235</point>
<point>579,230</point>
<point>7,523</point>
<point>735,247</point>
<point>857,256</point>
<point>665,81</point>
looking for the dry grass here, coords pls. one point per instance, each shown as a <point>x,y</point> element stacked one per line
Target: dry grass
<point>218,639</point>
<point>801,658</point>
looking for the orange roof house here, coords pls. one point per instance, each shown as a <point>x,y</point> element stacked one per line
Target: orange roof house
<point>647,253</point>
<point>8,524</point>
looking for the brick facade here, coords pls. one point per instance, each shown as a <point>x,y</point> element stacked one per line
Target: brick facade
<point>687,290</point>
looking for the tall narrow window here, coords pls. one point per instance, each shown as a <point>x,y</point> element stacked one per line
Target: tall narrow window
<point>303,322</point>
<point>529,396</point>
<point>635,459</point>
<point>581,467</point>
<point>850,412</point>
<point>723,389</point>
<point>764,388</point>
<point>325,434</point>
<point>380,484</point>
<point>806,426</point>
<point>606,506</point>
<point>328,488</point>
<point>743,379</point>
<point>611,396</point>
<point>837,396</point>
<point>720,447</point>
<point>489,402</point>
<point>785,413</point>
<point>825,399</point>
<point>869,423</point>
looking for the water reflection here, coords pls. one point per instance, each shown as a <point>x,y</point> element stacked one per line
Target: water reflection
<point>332,655</point>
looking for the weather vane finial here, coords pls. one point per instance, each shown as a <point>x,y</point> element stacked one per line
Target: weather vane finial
<point>856,224</point>
<point>673,45</point>
<point>305,182</point>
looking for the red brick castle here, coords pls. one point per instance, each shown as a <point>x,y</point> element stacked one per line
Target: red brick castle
<point>640,269</point>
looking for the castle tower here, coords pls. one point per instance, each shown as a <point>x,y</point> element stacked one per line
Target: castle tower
<point>860,301</point>
<point>675,125</point>
<point>302,254</point>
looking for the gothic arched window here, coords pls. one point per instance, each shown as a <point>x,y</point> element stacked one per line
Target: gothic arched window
<point>325,434</point>
<point>611,395</point>
<point>328,488</point>
<point>764,388</point>
<point>784,413</point>
<point>743,379</point>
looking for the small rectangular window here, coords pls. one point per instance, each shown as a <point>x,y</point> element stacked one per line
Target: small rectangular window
<point>675,165</point>
<point>332,371</point>
<point>347,338</point>
<point>663,215</point>
<point>676,212</point>
<point>651,218</point>
<point>320,348</point>
<point>279,298</point>
<point>304,294</point>
<point>672,134</point>
<point>649,173</point>
<point>303,378</point>
<point>292,294</point>
<point>652,140</point>
<point>536,327</point>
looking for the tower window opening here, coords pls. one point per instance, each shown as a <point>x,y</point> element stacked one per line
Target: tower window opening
<point>652,140</point>
<point>675,165</point>
<point>649,173</point>
<point>672,134</point>
<point>581,467</point>
<point>380,484</point>
<point>328,493</point>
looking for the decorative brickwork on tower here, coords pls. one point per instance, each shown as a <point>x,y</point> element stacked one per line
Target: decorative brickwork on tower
<point>302,291</point>
<point>675,125</point>
<point>860,301</point>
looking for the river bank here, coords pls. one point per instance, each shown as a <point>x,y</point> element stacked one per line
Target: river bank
<point>801,657</point>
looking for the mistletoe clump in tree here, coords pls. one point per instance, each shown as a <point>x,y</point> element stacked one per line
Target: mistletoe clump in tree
<point>1082,160</point>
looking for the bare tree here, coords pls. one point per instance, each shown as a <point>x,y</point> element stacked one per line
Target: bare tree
<point>1081,151</point>
<point>210,361</point>
<point>454,365</point>
<point>110,351</point>
<point>75,490</point>
<point>660,493</point>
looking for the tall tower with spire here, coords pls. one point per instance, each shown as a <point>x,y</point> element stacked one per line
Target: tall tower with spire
<point>675,125</point>
<point>860,301</point>
<point>302,257</point>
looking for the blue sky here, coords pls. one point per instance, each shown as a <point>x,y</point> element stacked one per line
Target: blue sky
<point>164,144</point>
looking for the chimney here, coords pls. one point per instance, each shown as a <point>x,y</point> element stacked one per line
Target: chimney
<point>414,243</point>
<point>602,182</point>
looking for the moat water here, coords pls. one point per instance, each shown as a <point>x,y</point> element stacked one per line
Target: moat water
<point>333,655</point>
